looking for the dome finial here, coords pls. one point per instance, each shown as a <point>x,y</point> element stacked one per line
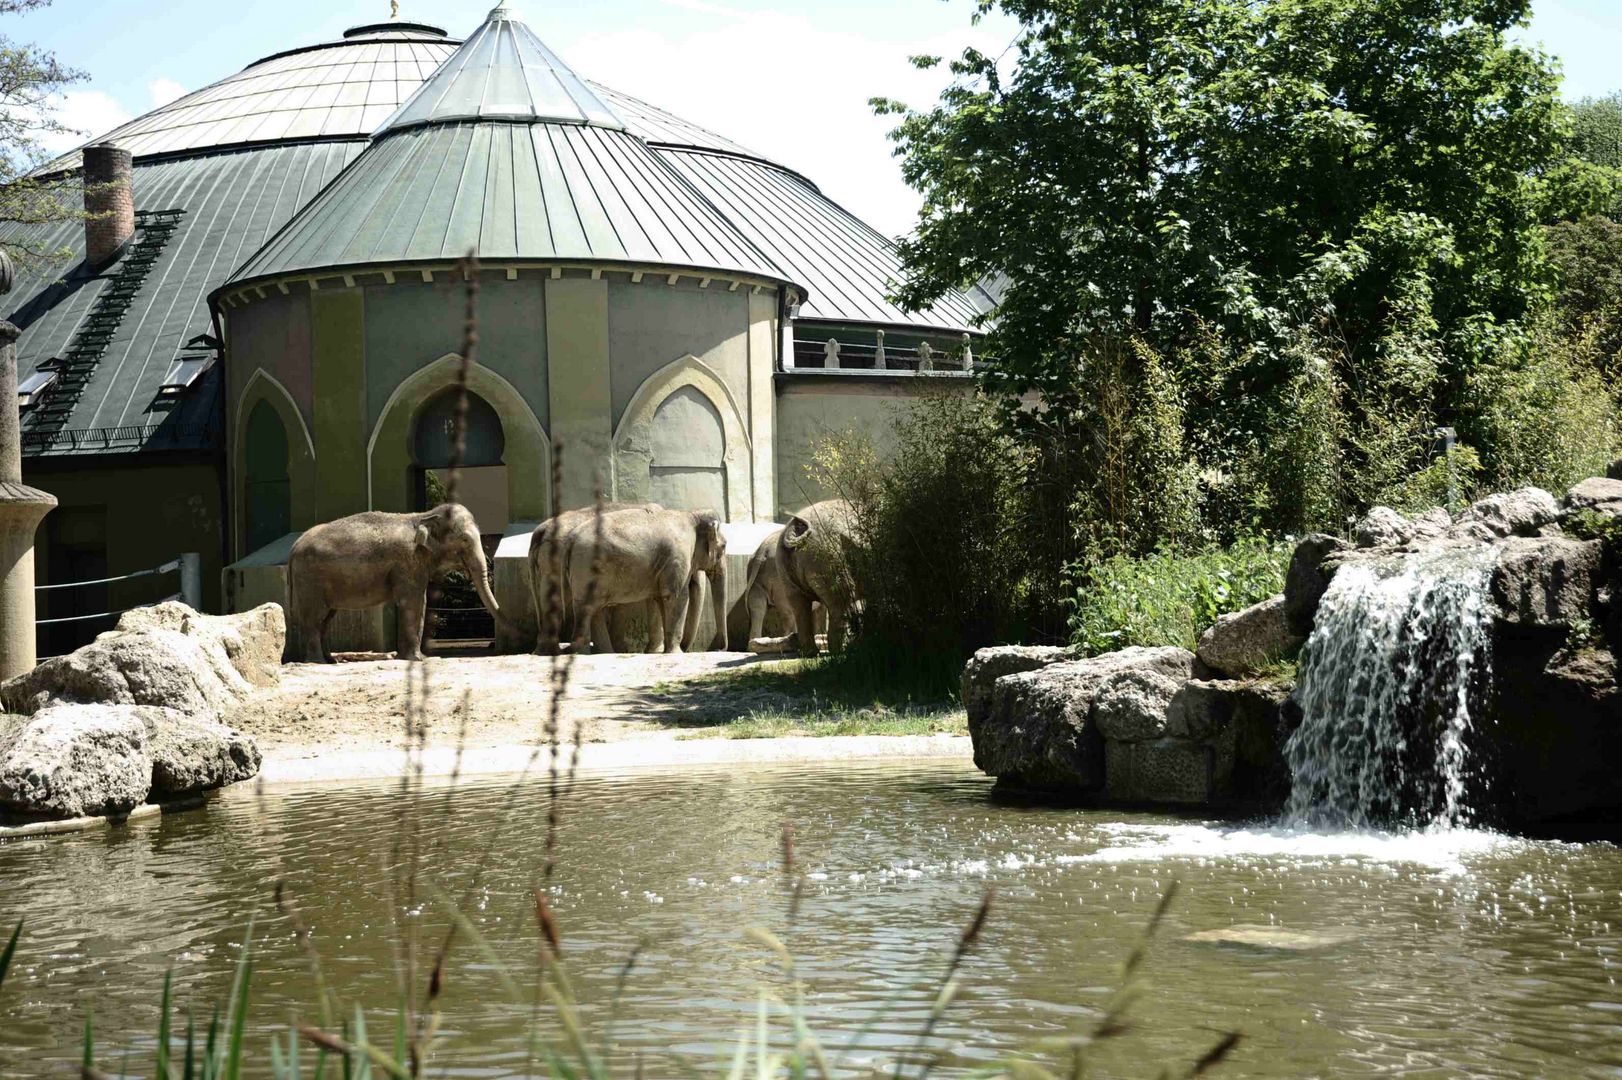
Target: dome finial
<point>394,9</point>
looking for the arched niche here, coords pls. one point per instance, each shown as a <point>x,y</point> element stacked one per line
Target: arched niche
<point>682,435</point>
<point>526,449</point>
<point>268,426</point>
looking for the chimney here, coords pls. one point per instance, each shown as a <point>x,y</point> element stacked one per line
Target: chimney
<point>109,203</point>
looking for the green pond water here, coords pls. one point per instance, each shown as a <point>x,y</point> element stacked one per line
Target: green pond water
<point>1459,953</point>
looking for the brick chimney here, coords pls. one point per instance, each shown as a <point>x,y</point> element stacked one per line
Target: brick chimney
<point>109,203</point>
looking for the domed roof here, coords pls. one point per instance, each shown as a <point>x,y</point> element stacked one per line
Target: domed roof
<point>505,152</point>
<point>503,72</point>
<point>336,89</point>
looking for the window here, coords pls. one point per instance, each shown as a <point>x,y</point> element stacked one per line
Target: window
<point>183,373</point>
<point>33,388</point>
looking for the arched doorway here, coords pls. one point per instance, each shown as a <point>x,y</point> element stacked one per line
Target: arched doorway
<point>687,470</point>
<point>268,501</point>
<point>455,616</point>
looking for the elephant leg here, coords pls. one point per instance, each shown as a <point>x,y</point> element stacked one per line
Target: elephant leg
<point>695,608</point>
<point>673,613</point>
<point>757,613</point>
<point>602,637</point>
<point>837,615</point>
<point>804,628</point>
<point>324,637</point>
<point>410,608</point>
<point>585,619</point>
<point>656,626</point>
<point>822,618</point>
<point>310,616</point>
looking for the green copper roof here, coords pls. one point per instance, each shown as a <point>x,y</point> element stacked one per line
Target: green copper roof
<point>503,72</point>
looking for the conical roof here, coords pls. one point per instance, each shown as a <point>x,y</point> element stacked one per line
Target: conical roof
<point>503,72</point>
<point>506,153</point>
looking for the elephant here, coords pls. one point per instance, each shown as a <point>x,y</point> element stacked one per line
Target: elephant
<point>662,556</point>
<point>563,530</point>
<point>372,558</point>
<point>765,590</point>
<point>810,563</point>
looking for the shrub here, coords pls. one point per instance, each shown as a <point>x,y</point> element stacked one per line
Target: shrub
<point>1169,597</point>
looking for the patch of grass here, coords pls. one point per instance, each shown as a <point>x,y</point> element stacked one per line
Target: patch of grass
<point>876,721</point>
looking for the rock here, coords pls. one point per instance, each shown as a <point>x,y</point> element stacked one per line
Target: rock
<point>1278,938</point>
<point>1519,513</point>
<point>1308,578</point>
<point>1130,706</point>
<point>253,641</point>
<point>1383,527</point>
<point>1545,582</point>
<point>136,667</point>
<point>1243,642</point>
<point>1433,524</point>
<point>1597,495</point>
<point>986,666</point>
<point>74,761</point>
<point>1162,771</point>
<point>1037,730</point>
<point>773,646</point>
<point>191,754</point>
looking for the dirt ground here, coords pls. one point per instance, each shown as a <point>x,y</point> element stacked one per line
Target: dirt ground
<point>359,705</point>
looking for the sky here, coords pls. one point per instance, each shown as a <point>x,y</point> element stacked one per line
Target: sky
<point>786,78</point>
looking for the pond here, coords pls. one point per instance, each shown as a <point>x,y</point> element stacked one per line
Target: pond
<point>1445,954</point>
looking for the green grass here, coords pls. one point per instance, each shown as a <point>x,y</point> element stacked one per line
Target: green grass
<point>827,696</point>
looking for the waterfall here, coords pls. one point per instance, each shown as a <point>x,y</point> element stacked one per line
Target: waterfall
<point>1395,669</point>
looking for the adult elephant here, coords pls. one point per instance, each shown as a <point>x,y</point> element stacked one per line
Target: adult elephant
<point>373,558</point>
<point>811,566</point>
<point>551,547</point>
<point>660,556</point>
<point>765,591</point>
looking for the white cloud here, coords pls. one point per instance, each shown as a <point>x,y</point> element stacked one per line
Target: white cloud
<point>90,113</point>
<point>790,90</point>
<point>163,91</point>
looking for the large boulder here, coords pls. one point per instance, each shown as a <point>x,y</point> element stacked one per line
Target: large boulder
<point>158,667</point>
<point>1307,579</point>
<point>252,640</point>
<point>71,761</point>
<point>1244,642</point>
<point>1130,705</point>
<point>1383,527</point>
<point>1038,730</point>
<point>986,666</point>
<point>192,754</point>
<point>1598,495</point>
<point>1517,513</point>
<point>1546,582</point>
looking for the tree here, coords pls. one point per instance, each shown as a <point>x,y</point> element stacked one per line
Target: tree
<point>30,80</point>
<point>1146,168</point>
<point>1597,130</point>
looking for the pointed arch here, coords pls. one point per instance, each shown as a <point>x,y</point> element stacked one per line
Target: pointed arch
<point>527,452</point>
<point>634,436</point>
<point>263,387</point>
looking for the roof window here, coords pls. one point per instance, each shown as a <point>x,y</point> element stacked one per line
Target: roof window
<point>33,387</point>
<point>183,374</point>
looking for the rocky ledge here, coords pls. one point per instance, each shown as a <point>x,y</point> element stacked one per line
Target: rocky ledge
<point>1166,726</point>
<point>134,716</point>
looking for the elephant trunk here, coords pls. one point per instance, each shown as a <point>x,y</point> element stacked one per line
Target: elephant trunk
<point>718,601</point>
<point>475,566</point>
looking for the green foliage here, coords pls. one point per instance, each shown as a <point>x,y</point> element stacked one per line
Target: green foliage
<point>1587,259</point>
<point>1169,597</point>
<point>1258,166</point>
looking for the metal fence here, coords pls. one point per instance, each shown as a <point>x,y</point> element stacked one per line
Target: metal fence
<point>188,569</point>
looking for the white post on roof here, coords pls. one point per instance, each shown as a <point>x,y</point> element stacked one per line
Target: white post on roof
<point>830,354</point>
<point>878,352</point>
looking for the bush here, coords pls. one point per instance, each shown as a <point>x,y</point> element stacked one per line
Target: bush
<point>1170,598</point>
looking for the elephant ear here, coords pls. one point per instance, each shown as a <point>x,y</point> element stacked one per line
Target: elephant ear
<point>796,532</point>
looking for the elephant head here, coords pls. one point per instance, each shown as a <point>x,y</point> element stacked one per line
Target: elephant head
<point>710,556</point>
<point>447,538</point>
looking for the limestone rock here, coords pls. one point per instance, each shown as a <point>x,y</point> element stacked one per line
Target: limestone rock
<point>74,761</point>
<point>1276,938</point>
<point>1241,643</point>
<point>1037,730</point>
<point>1518,513</point>
<point>986,666</point>
<point>1383,527</point>
<point>1130,706</point>
<point>252,641</point>
<point>1308,579</point>
<point>1433,524</point>
<point>136,667</point>
<point>191,754</point>
<point>1596,494</point>
<point>1162,771</point>
<point>1545,582</point>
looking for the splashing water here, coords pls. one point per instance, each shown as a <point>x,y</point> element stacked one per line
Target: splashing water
<point>1391,678</point>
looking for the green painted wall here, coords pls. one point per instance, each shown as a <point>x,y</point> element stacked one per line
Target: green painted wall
<point>651,324</point>
<point>577,337</point>
<point>338,356</point>
<point>273,334</point>
<point>413,323</point>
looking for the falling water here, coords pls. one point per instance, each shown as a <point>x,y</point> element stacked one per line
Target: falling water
<point>1395,669</point>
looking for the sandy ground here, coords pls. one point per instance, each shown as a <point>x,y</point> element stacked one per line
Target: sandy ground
<point>345,721</point>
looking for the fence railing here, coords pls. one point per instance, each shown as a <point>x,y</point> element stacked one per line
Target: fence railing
<point>188,567</point>
<point>811,355</point>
